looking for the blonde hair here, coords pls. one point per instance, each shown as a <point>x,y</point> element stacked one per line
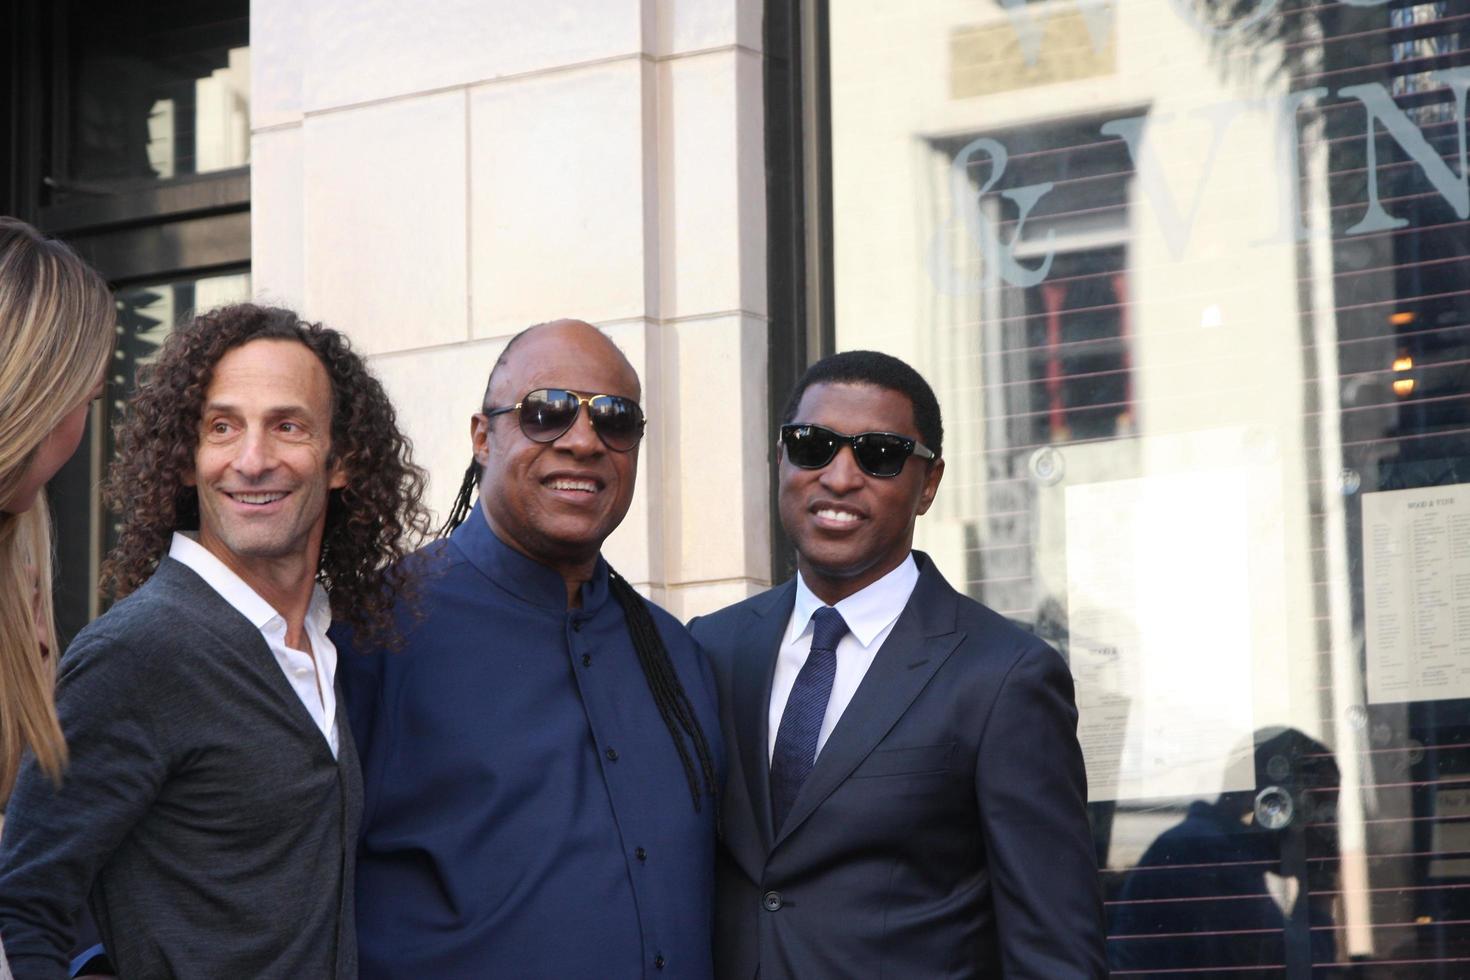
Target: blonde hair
<point>57,329</point>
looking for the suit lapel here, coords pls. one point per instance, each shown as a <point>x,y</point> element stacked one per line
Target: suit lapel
<point>920,642</point>
<point>751,690</point>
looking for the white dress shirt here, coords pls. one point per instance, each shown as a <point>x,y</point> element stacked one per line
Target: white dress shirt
<point>869,614</point>
<point>311,677</point>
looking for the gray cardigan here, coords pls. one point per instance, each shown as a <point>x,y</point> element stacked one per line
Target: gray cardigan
<point>202,812</point>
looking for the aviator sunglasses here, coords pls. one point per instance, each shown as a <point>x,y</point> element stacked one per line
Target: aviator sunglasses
<point>880,454</point>
<point>547,413</point>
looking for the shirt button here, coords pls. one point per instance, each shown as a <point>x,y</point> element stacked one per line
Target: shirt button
<point>586,660</point>
<point>658,962</point>
<point>772,901</point>
<point>641,854</point>
<point>576,626</point>
<point>612,754</point>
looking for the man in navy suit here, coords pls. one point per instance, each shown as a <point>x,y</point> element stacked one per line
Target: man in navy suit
<point>906,797</point>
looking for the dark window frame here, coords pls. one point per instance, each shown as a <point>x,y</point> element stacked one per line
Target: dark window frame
<point>801,325</point>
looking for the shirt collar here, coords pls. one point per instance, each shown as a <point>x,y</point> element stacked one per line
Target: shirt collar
<point>521,576</point>
<point>232,588</point>
<point>868,611</point>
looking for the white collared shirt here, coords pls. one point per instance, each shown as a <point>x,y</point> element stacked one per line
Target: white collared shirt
<point>311,677</point>
<point>869,614</point>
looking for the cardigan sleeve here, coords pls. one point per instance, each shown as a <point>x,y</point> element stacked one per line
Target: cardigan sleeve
<point>57,837</point>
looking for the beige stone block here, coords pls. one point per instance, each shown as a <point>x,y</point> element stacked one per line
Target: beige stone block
<point>277,52</point>
<point>435,392</point>
<point>711,185</point>
<point>558,198</point>
<point>716,467</point>
<point>635,548</point>
<point>699,25</point>
<point>385,222</point>
<point>702,598</point>
<point>277,230</point>
<point>377,49</point>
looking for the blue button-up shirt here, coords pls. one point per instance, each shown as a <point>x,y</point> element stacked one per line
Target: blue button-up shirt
<point>526,812</point>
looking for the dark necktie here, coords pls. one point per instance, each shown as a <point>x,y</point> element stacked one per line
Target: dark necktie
<point>801,722</point>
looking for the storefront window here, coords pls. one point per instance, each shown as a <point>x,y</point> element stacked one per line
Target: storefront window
<point>133,146</point>
<point>155,93</point>
<point>1190,279</point>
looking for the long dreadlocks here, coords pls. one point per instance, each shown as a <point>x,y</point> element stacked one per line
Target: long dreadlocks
<point>463,499</point>
<point>668,693</point>
<point>653,656</point>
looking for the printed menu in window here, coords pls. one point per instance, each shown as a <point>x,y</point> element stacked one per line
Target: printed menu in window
<point>1416,593</point>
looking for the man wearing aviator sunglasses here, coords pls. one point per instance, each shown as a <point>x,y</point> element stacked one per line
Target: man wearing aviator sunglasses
<point>545,415</point>
<point>541,761</point>
<point>906,792</point>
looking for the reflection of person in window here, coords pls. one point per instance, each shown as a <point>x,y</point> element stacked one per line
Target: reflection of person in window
<point>1239,881</point>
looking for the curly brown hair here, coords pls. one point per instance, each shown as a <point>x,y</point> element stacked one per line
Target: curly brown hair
<point>372,522</point>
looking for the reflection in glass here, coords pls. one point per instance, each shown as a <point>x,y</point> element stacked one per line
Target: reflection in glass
<point>1245,882</point>
<point>1190,280</point>
<point>154,98</point>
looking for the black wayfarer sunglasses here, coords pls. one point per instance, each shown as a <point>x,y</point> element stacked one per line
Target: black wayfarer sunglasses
<point>880,454</point>
<point>547,413</point>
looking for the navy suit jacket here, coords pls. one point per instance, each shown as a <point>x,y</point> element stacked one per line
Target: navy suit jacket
<point>943,831</point>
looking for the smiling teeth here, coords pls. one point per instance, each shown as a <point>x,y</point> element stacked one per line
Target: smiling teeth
<point>257,498</point>
<point>845,516</point>
<point>587,486</point>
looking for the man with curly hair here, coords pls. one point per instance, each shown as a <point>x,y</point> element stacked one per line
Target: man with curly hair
<point>211,807</point>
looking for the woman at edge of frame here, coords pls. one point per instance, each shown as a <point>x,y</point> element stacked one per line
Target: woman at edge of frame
<point>57,331</point>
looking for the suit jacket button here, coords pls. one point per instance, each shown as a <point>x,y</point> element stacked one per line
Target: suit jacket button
<point>772,901</point>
